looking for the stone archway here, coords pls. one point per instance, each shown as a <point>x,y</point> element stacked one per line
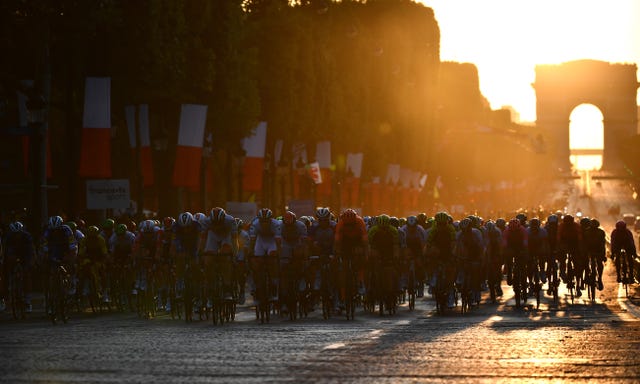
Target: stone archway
<point>610,87</point>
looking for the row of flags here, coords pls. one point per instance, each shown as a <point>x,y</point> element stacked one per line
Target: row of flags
<point>96,152</point>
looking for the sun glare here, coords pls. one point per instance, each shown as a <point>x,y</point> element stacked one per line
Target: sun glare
<point>506,39</point>
<point>586,134</point>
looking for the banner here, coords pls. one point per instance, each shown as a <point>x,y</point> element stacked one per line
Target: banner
<point>186,170</point>
<point>141,130</point>
<point>95,148</point>
<point>253,167</point>
<point>106,194</point>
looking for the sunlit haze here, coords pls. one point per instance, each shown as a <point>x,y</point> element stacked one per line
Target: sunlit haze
<point>506,39</point>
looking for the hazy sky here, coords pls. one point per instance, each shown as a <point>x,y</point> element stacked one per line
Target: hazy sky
<point>507,38</point>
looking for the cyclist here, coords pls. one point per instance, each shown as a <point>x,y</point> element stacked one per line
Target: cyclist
<point>187,234</point>
<point>220,244</point>
<point>144,254</point>
<point>121,262</point>
<point>322,240</point>
<point>59,246</point>
<point>351,241</point>
<point>242,255</point>
<point>107,228</point>
<point>515,244</point>
<point>294,238</point>
<point>551,226</point>
<point>469,252</point>
<point>384,241</point>
<point>494,257</point>
<point>92,259</point>
<point>165,261</point>
<point>416,240</point>
<point>440,245</point>
<point>596,246</point>
<point>622,239</point>
<point>17,244</point>
<point>538,253</point>
<point>570,243</point>
<point>265,233</point>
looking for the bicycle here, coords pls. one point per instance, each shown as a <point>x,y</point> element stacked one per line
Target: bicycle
<point>554,282</point>
<point>16,290</point>
<point>59,282</point>
<point>591,276</point>
<point>624,262</point>
<point>519,279</point>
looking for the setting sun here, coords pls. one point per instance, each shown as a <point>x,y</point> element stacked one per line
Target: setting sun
<point>507,39</point>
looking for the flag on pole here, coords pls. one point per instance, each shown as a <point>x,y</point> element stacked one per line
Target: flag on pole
<point>142,132</point>
<point>95,150</point>
<point>323,158</point>
<point>253,167</point>
<point>315,172</point>
<point>186,170</point>
<point>26,142</point>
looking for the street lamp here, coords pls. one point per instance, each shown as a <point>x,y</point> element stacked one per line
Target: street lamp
<point>36,119</point>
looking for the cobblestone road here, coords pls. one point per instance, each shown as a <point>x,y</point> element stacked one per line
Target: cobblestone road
<point>495,342</point>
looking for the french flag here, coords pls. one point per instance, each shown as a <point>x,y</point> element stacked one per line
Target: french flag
<point>95,154</point>
<point>252,168</point>
<point>186,171</point>
<point>142,133</point>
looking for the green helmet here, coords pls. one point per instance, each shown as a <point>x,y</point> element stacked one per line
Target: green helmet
<point>93,231</point>
<point>441,218</point>
<point>72,225</point>
<point>108,224</point>
<point>383,220</point>
<point>121,229</point>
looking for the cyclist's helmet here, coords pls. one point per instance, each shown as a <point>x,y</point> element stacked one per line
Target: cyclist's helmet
<point>349,215</point>
<point>200,218</point>
<point>93,231</point>
<point>108,224</point>
<point>567,219</point>
<point>465,223</point>
<point>167,223</point>
<point>501,223</point>
<point>239,223</point>
<point>422,217</point>
<point>553,218</point>
<point>621,225</point>
<point>441,218</point>
<point>522,218</point>
<point>147,226</point>
<point>534,223</point>
<point>383,220</point>
<point>594,223</point>
<point>289,218</point>
<point>306,220</point>
<point>55,222</point>
<point>412,221</point>
<point>217,215</point>
<point>490,225</point>
<point>323,213</point>
<point>584,222</point>
<point>265,214</point>
<point>121,229</point>
<point>185,219</point>
<point>72,225</point>
<point>16,226</point>
<point>514,224</point>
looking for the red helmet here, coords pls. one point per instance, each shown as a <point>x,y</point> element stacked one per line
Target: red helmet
<point>167,222</point>
<point>349,215</point>
<point>289,217</point>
